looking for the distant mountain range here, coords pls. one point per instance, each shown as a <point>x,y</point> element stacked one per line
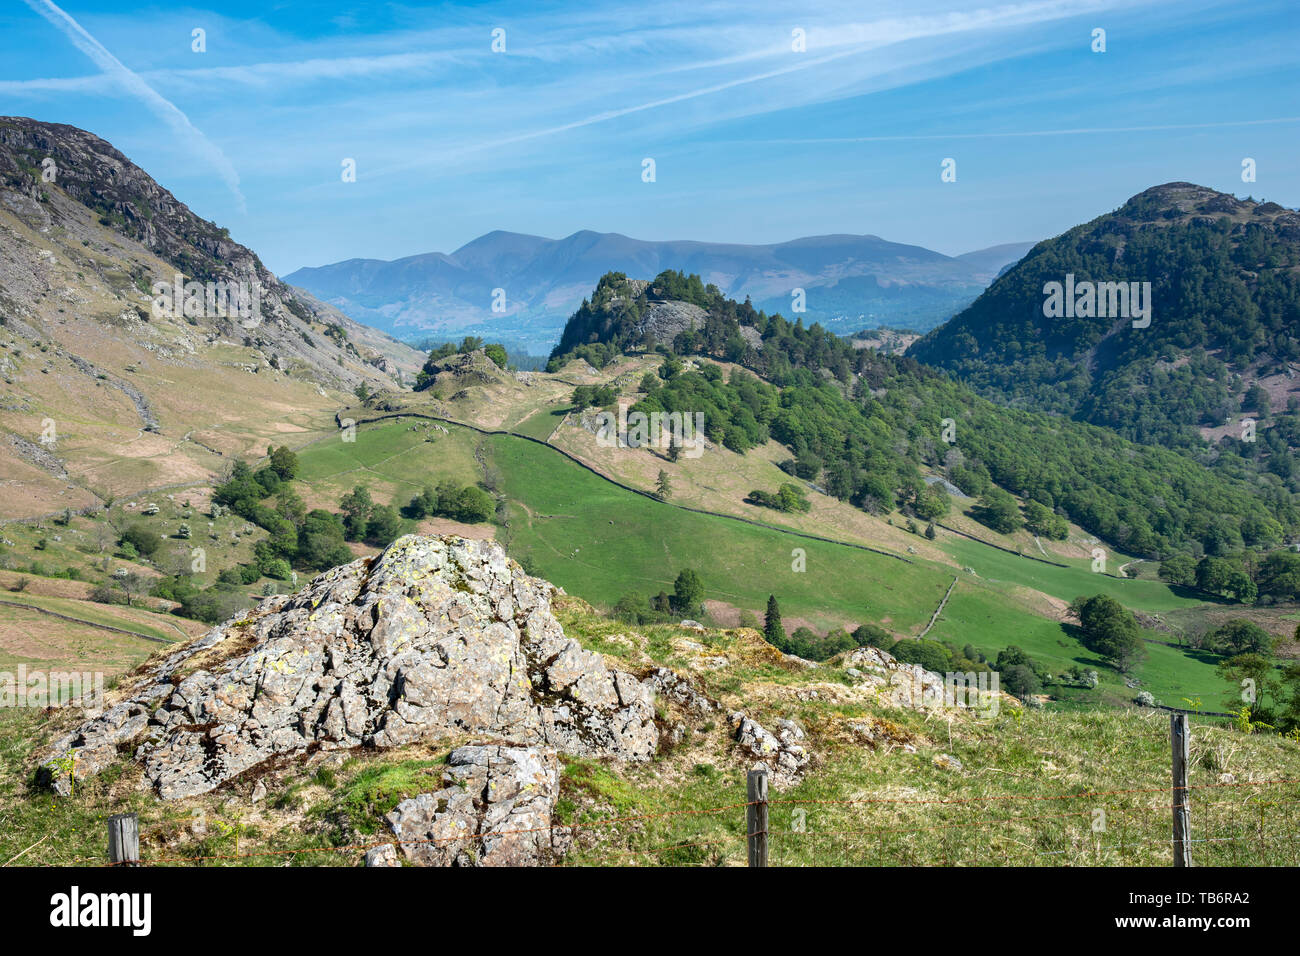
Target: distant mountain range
<point>849,282</point>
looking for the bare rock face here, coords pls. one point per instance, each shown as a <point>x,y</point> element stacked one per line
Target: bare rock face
<point>782,752</point>
<point>495,809</point>
<point>663,321</point>
<point>902,684</point>
<point>435,636</point>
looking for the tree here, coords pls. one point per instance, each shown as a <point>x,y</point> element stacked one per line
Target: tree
<point>688,592</point>
<point>356,506</point>
<point>1254,685</point>
<point>1279,576</point>
<point>1178,569</point>
<point>630,608</point>
<point>663,486</point>
<point>143,540</point>
<point>931,655</point>
<point>383,525</point>
<point>773,629</point>
<point>999,511</point>
<point>1110,630</point>
<point>1019,680</point>
<point>1240,636</point>
<point>471,505</point>
<point>497,353</point>
<point>321,541</point>
<point>131,584</point>
<point>873,635</point>
<point>284,463</point>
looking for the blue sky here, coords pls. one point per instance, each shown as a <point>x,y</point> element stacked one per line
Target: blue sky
<point>752,140</point>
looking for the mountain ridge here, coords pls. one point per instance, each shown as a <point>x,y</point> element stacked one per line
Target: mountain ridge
<point>854,278</point>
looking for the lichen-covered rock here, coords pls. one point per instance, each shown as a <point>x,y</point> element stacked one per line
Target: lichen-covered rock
<point>495,809</point>
<point>435,636</point>
<point>385,855</point>
<point>679,690</point>
<point>782,752</point>
<point>902,684</point>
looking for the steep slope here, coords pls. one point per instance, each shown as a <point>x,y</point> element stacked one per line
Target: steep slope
<point>848,280</point>
<point>1223,336</point>
<point>109,387</point>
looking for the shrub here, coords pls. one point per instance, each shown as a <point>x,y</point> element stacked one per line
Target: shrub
<point>142,540</point>
<point>929,654</point>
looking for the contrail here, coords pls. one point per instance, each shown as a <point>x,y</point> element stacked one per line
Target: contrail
<point>133,84</point>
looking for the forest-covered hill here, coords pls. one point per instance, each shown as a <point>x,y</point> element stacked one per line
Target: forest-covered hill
<point>1221,342</point>
<point>864,425</point>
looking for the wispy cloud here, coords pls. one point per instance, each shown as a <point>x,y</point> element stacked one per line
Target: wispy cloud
<point>131,83</point>
<point>1077,131</point>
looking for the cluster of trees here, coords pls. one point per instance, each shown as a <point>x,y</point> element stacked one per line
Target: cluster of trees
<point>493,350</point>
<point>804,641</point>
<point>788,498</point>
<point>297,538</point>
<point>1238,636</point>
<point>862,425</point>
<point>362,519</point>
<point>594,396</point>
<point>686,600</point>
<point>1242,577</point>
<point>467,503</point>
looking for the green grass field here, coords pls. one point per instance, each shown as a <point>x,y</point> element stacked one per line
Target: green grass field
<point>1065,583</point>
<point>600,542</point>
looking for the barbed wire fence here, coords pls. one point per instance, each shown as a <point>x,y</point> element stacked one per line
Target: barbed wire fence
<point>1209,822</point>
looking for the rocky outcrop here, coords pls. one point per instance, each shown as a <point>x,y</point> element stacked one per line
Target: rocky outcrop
<point>902,684</point>
<point>664,321</point>
<point>434,637</point>
<point>495,808</point>
<point>782,752</point>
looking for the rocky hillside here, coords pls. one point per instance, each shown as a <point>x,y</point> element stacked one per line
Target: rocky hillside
<point>1222,340</point>
<point>97,371</point>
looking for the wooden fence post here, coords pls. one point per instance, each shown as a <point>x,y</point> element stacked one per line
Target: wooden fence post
<point>756,816</point>
<point>1178,739</point>
<point>124,839</point>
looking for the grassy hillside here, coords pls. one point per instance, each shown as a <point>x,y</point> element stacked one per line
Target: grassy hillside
<point>887,786</point>
<point>600,542</point>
